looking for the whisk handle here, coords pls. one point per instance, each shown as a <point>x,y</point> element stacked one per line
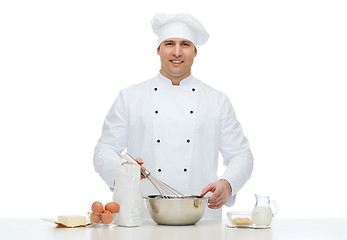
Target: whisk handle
<point>130,159</point>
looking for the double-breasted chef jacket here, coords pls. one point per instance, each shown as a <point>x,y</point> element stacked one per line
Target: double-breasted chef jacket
<point>178,131</point>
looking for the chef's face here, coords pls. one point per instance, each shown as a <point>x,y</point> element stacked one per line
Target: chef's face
<point>176,56</point>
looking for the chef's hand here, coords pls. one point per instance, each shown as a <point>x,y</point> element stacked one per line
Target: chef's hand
<point>139,161</point>
<point>221,190</point>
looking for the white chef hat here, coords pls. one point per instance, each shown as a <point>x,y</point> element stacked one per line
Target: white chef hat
<point>182,25</point>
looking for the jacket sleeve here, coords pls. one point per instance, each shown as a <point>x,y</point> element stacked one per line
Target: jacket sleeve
<point>112,142</point>
<point>234,148</point>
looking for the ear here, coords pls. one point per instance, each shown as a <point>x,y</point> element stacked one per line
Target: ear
<point>196,52</point>
<point>158,50</point>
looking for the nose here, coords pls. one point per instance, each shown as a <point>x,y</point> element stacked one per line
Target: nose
<point>177,51</point>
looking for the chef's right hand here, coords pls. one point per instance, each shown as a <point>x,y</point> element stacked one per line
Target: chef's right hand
<point>140,162</point>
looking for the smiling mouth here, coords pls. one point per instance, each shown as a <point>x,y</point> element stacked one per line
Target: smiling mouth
<point>175,61</point>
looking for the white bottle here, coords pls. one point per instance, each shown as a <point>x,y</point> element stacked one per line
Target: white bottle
<point>127,195</point>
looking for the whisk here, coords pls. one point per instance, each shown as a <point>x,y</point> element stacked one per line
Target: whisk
<point>165,190</point>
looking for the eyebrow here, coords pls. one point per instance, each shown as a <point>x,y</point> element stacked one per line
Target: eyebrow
<point>171,41</point>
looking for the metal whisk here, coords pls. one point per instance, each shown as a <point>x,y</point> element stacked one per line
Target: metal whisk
<point>165,190</point>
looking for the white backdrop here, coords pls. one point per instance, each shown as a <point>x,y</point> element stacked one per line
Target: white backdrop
<point>282,63</point>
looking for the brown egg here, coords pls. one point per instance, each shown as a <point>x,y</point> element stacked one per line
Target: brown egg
<point>97,207</point>
<point>107,217</point>
<point>112,206</point>
<point>95,217</point>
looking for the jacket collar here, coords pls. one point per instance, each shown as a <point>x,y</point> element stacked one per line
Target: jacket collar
<point>188,81</point>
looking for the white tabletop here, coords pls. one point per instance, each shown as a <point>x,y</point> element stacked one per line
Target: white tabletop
<point>328,229</point>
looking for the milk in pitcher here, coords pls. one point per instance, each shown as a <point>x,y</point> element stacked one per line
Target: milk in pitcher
<point>262,216</point>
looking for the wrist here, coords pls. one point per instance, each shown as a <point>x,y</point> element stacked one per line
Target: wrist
<point>226,184</point>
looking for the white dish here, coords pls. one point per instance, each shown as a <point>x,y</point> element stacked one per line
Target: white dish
<point>248,226</point>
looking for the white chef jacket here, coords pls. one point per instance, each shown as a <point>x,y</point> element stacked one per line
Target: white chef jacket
<point>178,131</point>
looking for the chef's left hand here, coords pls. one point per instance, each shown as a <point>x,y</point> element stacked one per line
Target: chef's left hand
<point>221,190</point>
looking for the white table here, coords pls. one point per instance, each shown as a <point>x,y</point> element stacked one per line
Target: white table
<point>294,229</point>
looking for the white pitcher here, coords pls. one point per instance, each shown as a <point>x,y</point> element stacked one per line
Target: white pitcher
<point>262,213</point>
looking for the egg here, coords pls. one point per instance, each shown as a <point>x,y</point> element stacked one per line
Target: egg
<point>97,207</point>
<point>107,217</point>
<point>95,217</point>
<point>112,207</point>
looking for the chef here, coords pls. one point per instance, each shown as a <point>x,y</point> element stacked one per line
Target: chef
<point>177,125</point>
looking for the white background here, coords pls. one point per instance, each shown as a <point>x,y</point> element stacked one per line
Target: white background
<point>282,63</point>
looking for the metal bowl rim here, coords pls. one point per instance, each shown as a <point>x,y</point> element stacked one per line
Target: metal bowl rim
<point>177,198</point>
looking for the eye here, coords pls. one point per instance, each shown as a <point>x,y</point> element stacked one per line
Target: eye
<point>168,43</point>
<point>185,44</point>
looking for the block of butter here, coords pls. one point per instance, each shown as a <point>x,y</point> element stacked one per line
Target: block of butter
<point>72,220</point>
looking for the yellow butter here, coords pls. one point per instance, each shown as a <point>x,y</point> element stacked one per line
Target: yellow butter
<point>72,220</point>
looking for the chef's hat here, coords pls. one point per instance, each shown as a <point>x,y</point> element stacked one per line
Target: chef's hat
<point>182,25</point>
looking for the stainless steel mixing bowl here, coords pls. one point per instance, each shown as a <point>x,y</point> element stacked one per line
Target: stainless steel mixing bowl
<point>176,211</point>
